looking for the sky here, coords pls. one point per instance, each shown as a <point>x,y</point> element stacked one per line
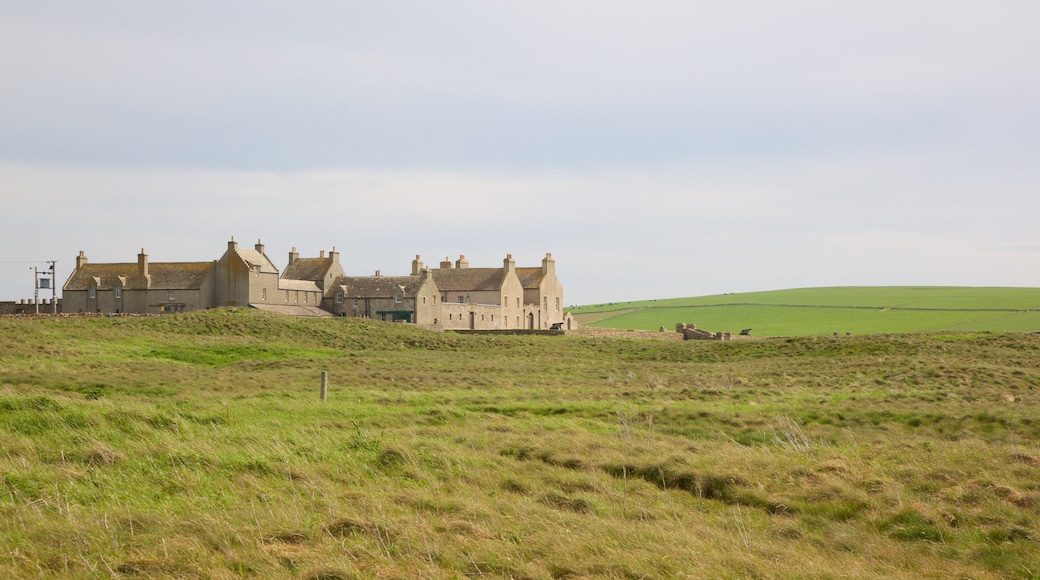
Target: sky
<point>657,148</point>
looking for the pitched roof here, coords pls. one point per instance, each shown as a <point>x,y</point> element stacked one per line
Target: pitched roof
<point>253,258</point>
<point>377,286</point>
<point>530,278</point>
<point>468,279</point>
<point>307,269</point>
<point>302,285</point>
<point>164,276</point>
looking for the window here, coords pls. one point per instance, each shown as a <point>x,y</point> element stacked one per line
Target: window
<point>397,298</point>
<point>339,299</point>
<point>518,302</point>
<point>263,294</point>
<point>462,299</point>
<point>286,295</point>
<point>545,302</point>
<point>118,291</point>
<point>424,300</point>
<point>296,297</point>
<point>93,293</point>
<point>355,303</point>
<point>169,295</point>
<point>505,302</point>
<point>518,322</point>
<point>557,303</point>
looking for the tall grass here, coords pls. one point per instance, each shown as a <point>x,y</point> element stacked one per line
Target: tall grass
<point>197,446</point>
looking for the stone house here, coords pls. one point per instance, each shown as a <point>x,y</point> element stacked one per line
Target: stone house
<point>412,298</point>
<point>141,287</point>
<point>241,277</point>
<point>453,296</point>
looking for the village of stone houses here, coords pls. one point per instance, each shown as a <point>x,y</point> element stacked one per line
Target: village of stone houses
<point>452,296</point>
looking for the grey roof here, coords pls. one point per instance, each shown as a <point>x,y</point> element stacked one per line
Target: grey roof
<point>301,285</point>
<point>254,258</point>
<point>468,279</point>
<point>164,276</point>
<point>307,269</point>
<point>377,286</point>
<point>530,278</point>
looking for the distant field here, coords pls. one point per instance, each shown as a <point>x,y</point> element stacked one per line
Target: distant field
<point>816,311</point>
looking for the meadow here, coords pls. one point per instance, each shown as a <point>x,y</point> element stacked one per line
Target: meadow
<point>196,446</point>
<point>821,311</point>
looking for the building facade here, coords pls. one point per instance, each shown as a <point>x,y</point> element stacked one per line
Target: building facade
<point>452,296</point>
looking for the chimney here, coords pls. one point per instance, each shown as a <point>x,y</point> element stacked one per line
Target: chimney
<point>81,260</point>
<point>417,265</point>
<point>293,255</point>
<point>509,265</point>
<point>461,262</point>
<point>548,264</point>
<point>334,255</point>
<point>321,253</point>
<point>232,245</point>
<point>377,273</point>
<point>259,246</point>
<point>446,264</point>
<point>142,270</point>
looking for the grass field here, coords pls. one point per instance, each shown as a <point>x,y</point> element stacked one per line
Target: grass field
<point>195,446</point>
<point>819,311</point>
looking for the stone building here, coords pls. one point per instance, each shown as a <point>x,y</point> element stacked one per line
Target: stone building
<point>140,287</point>
<point>453,296</point>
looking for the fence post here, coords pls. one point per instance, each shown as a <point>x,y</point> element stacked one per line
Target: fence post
<point>324,385</point>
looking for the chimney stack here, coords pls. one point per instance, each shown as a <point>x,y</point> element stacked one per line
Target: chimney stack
<point>259,246</point>
<point>377,273</point>
<point>446,264</point>
<point>417,265</point>
<point>81,260</point>
<point>321,253</point>
<point>461,262</point>
<point>548,264</point>
<point>334,255</point>
<point>293,255</point>
<point>509,265</point>
<point>232,245</point>
<point>144,280</point>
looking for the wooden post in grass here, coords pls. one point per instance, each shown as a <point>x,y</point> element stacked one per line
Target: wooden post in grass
<point>324,385</point>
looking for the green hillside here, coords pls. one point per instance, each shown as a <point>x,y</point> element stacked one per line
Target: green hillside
<point>196,446</point>
<point>818,311</point>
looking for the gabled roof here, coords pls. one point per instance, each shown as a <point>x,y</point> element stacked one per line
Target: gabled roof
<point>530,278</point>
<point>468,279</point>
<point>164,276</point>
<point>253,258</point>
<point>377,286</point>
<point>302,285</point>
<point>307,269</point>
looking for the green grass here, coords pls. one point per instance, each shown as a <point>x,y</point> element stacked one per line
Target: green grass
<point>196,446</point>
<point>817,311</point>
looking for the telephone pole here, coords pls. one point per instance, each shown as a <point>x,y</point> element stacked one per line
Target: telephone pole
<point>48,280</point>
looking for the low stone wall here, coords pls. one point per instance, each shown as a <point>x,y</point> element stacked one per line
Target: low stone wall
<point>28,307</point>
<point>514,331</point>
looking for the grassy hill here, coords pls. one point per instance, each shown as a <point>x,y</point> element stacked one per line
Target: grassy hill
<point>196,446</point>
<point>819,311</point>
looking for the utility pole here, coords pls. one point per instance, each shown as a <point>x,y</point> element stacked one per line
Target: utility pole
<point>47,282</point>
<point>54,287</point>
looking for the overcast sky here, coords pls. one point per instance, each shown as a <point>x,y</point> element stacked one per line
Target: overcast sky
<point>657,148</point>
